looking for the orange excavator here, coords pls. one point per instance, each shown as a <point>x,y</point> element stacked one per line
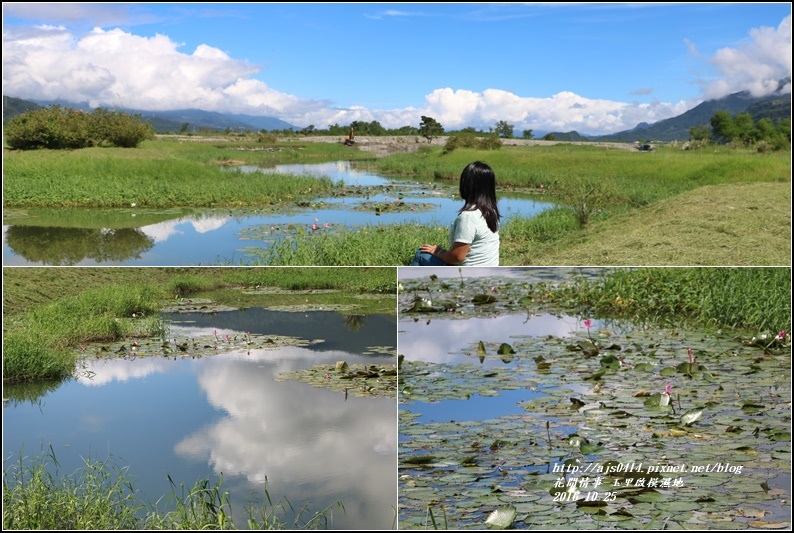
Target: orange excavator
<point>349,139</point>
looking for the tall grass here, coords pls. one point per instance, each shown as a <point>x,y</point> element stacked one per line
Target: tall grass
<point>744,298</point>
<point>36,344</point>
<point>370,246</point>
<point>634,178</point>
<point>162,174</point>
<point>192,282</point>
<point>87,182</point>
<point>381,280</point>
<point>100,495</point>
<point>546,226</point>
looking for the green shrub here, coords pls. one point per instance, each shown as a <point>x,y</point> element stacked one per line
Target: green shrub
<point>53,127</point>
<point>113,128</point>
<point>61,128</point>
<point>589,196</point>
<point>467,139</point>
<point>490,142</point>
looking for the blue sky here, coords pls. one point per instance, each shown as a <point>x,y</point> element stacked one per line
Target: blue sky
<point>593,67</point>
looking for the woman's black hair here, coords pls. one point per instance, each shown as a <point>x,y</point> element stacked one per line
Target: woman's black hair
<point>478,190</point>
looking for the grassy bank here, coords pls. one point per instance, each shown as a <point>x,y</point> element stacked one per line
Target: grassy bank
<point>618,207</point>
<point>669,207</point>
<point>750,299</point>
<point>25,289</point>
<point>49,311</point>
<point>101,496</point>
<point>35,344</point>
<point>628,178</point>
<point>163,174</point>
<point>373,245</point>
<point>731,225</point>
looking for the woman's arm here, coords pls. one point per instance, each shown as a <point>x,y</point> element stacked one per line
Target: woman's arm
<point>454,256</point>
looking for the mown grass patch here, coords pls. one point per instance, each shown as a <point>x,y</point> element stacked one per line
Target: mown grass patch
<point>726,225</point>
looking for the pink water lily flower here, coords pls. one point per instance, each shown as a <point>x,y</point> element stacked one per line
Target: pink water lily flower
<point>588,323</point>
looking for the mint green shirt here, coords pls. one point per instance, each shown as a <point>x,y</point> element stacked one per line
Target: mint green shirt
<point>471,228</point>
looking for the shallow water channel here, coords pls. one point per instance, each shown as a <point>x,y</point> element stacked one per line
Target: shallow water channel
<point>226,410</point>
<point>186,237</point>
<point>511,408</point>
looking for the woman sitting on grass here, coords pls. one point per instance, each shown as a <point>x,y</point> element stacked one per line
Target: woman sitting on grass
<point>474,235</point>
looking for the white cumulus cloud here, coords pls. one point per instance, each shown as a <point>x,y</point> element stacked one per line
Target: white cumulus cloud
<point>757,66</point>
<point>116,68</point>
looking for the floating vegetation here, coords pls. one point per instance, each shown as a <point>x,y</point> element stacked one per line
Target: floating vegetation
<point>392,205</point>
<point>623,428</point>
<point>357,379</point>
<point>196,305</point>
<point>474,297</point>
<point>192,346</point>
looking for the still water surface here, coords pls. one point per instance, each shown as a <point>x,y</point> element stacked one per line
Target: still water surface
<point>465,405</point>
<point>448,341</point>
<point>198,418</point>
<point>185,237</point>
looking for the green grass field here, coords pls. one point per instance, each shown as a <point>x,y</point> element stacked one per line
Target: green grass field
<point>717,206</point>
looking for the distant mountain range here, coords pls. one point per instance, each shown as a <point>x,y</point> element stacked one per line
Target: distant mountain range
<point>775,106</point>
<point>164,121</point>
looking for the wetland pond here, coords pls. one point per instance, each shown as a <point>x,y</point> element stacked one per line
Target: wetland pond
<point>194,236</point>
<point>228,393</point>
<point>513,414</point>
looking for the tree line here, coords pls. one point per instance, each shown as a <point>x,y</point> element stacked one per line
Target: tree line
<point>741,130</point>
<point>57,127</point>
